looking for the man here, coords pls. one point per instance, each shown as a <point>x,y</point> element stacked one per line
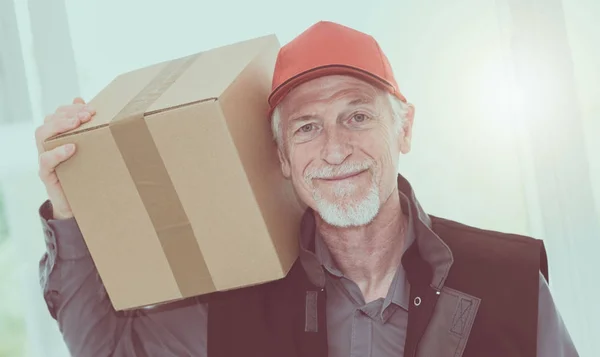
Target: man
<point>377,276</point>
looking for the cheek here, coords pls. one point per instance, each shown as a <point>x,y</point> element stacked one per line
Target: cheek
<point>381,146</point>
<point>303,157</point>
<point>300,157</point>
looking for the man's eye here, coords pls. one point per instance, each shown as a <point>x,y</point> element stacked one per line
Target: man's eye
<point>306,128</point>
<point>359,118</point>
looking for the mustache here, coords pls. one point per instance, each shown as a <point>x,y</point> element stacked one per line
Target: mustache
<point>328,172</point>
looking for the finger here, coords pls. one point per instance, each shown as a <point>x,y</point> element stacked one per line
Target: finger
<point>55,116</point>
<point>54,127</point>
<point>78,100</point>
<point>71,109</point>
<point>85,112</point>
<point>52,158</point>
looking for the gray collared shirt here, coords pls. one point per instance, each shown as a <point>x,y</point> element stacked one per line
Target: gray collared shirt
<point>359,329</point>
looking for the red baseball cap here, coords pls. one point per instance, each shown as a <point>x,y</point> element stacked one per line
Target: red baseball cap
<point>327,48</point>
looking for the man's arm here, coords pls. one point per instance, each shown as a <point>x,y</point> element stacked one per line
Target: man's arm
<point>553,339</point>
<point>73,292</point>
<point>90,326</point>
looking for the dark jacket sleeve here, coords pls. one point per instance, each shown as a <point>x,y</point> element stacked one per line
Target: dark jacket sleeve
<point>90,326</point>
<point>74,293</point>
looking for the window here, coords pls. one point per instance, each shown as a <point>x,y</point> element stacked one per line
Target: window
<point>12,321</point>
<point>15,104</point>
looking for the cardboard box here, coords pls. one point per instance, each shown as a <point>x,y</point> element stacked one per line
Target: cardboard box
<point>175,183</point>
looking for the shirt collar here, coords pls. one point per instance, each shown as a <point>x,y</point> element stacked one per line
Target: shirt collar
<point>399,290</point>
<point>431,248</point>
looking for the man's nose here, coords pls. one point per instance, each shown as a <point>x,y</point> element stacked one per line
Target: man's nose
<point>337,147</point>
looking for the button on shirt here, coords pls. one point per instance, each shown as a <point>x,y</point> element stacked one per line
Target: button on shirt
<point>359,329</point>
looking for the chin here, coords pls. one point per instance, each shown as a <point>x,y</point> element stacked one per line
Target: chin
<point>348,212</point>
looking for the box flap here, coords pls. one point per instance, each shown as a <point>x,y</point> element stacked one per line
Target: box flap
<point>211,73</point>
<point>163,86</point>
<point>115,96</point>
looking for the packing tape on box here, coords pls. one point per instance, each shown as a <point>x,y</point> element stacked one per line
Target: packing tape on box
<point>155,187</point>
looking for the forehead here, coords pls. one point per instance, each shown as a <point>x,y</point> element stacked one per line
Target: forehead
<point>327,89</point>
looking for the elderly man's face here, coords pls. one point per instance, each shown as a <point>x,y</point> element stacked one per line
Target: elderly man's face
<point>340,146</point>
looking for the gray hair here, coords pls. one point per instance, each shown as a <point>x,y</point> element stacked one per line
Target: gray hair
<point>399,112</point>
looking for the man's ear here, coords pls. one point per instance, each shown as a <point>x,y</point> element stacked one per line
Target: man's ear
<point>405,135</point>
<point>285,163</point>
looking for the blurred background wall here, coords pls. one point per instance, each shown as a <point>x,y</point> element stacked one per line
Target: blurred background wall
<point>506,137</point>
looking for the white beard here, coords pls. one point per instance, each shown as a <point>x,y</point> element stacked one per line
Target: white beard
<point>351,214</point>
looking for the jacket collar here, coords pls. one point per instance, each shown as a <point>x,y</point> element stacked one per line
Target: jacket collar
<point>426,261</point>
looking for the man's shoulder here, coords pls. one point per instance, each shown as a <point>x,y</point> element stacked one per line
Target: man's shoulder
<point>453,230</point>
<point>472,246</point>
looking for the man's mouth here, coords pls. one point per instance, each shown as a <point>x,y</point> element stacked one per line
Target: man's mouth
<point>343,176</point>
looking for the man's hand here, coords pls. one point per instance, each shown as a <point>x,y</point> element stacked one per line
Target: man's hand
<point>65,118</point>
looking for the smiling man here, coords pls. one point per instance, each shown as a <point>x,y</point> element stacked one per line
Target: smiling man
<point>377,276</point>
<point>332,147</point>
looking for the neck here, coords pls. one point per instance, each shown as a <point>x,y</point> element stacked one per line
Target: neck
<point>369,255</point>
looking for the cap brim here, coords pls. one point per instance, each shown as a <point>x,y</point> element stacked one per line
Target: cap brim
<point>334,69</point>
